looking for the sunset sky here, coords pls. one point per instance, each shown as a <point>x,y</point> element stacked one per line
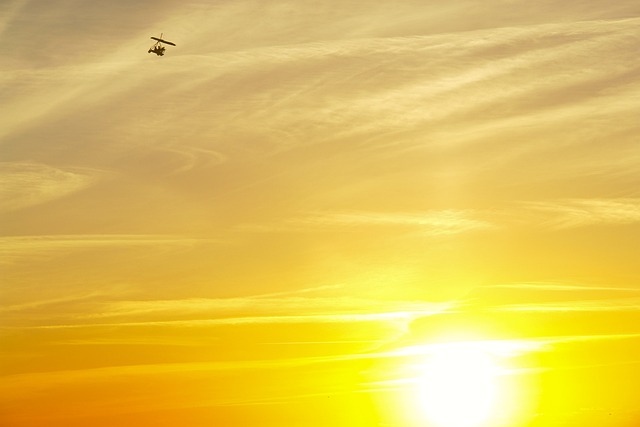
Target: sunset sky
<point>320,214</point>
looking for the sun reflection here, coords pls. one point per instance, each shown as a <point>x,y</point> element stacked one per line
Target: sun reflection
<point>458,387</point>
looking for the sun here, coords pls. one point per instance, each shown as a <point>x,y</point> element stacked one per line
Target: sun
<point>458,386</point>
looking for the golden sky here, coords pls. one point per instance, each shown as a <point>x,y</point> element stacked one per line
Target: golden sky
<point>329,213</point>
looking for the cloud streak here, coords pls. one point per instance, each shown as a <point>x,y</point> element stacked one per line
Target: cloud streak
<point>30,184</point>
<point>550,214</point>
<point>573,213</point>
<point>403,317</point>
<point>16,247</point>
<point>552,297</point>
<point>611,305</point>
<point>435,223</point>
<point>234,311</point>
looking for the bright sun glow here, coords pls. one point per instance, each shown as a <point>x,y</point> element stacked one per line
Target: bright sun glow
<point>458,386</point>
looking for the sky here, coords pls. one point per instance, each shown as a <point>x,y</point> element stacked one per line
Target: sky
<point>329,213</point>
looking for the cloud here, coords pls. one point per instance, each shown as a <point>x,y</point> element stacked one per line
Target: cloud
<point>64,300</point>
<point>554,214</point>
<point>466,74</point>
<point>25,184</point>
<point>313,305</point>
<point>518,348</point>
<point>445,222</point>
<point>373,91</point>
<point>534,290</point>
<point>403,317</point>
<point>611,305</point>
<point>505,348</point>
<point>553,286</point>
<point>436,222</point>
<point>551,297</point>
<point>40,95</point>
<point>573,213</point>
<point>56,242</point>
<point>13,248</point>
<point>534,311</point>
<point>237,311</point>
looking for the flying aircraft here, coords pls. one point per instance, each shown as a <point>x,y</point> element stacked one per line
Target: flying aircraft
<point>157,47</point>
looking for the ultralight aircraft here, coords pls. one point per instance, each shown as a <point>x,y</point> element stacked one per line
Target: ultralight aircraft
<point>157,47</point>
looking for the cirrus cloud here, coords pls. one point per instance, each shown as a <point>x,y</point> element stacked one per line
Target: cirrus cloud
<point>25,184</point>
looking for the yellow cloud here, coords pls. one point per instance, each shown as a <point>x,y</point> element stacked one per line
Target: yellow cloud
<point>444,222</point>
<point>24,184</point>
<point>235,311</point>
<point>14,247</point>
<point>543,294</point>
<point>573,213</point>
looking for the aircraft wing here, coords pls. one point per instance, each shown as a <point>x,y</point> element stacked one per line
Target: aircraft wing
<point>163,41</point>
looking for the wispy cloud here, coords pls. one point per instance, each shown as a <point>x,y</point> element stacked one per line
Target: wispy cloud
<point>435,223</point>
<point>505,348</point>
<point>610,305</point>
<point>13,248</point>
<point>235,311</point>
<point>535,311</point>
<point>553,286</point>
<point>40,303</point>
<point>572,213</point>
<point>500,349</point>
<point>25,184</point>
<point>403,317</point>
<point>322,304</point>
<point>543,296</point>
<point>409,100</point>
<point>553,214</point>
<point>62,90</point>
<point>374,92</point>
